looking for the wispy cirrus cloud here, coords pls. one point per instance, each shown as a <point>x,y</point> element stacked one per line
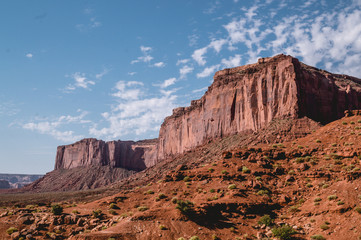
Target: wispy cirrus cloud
<point>56,127</point>
<point>146,58</point>
<point>80,81</point>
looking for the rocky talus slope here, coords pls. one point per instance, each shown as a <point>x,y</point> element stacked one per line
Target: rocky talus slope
<point>301,189</point>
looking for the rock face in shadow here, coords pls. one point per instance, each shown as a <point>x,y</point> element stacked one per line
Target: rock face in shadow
<point>118,154</point>
<point>251,96</point>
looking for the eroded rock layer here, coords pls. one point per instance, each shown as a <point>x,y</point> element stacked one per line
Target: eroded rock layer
<point>249,97</point>
<point>121,154</point>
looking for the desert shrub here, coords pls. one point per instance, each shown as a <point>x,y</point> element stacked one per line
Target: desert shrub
<point>318,237</point>
<point>340,202</point>
<point>324,227</point>
<point>352,122</point>
<point>344,123</point>
<point>294,208</point>
<point>317,199</point>
<point>111,238</point>
<point>263,192</point>
<point>358,209</point>
<point>266,220</point>
<point>318,141</point>
<point>211,170</point>
<point>232,186</point>
<point>75,212</point>
<point>11,230</point>
<point>214,237</point>
<point>195,238</point>
<point>142,208</point>
<point>284,232</point>
<point>186,179</point>
<point>174,200</point>
<point>300,160</point>
<point>300,147</point>
<point>162,227</point>
<point>245,169</point>
<point>149,192</point>
<point>181,238</point>
<point>309,185</point>
<point>112,212</point>
<point>57,209</point>
<point>113,206</point>
<point>259,178</point>
<point>212,190</point>
<point>184,207</point>
<point>332,197</point>
<point>325,186</point>
<point>162,196</point>
<point>97,213</point>
<point>224,172</point>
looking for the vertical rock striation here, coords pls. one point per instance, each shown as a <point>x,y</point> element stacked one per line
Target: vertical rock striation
<point>92,152</point>
<point>250,96</point>
<point>245,98</point>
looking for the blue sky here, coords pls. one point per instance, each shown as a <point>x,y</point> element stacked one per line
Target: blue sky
<point>115,69</point>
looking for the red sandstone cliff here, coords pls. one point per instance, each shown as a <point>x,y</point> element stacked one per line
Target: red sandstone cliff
<point>249,97</point>
<point>245,98</point>
<point>92,152</point>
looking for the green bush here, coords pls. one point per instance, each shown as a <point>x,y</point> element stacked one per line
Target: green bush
<point>266,220</point>
<point>195,238</point>
<point>224,172</point>
<point>318,237</point>
<point>317,199</point>
<point>162,227</point>
<point>232,186</point>
<point>57,209</point>
<point>212,190</point>
<point>97,213</point>
<point>358,209</point>
<point>113,206</point>
<point>332,197</point>
<point>11,230</point>
<point>284,232</point>
<point>143,208</point>
<point>184,207</point>
<point>186,179</point>
<point>324,227</point>
<point>245,169</point>
<point>162,196</point>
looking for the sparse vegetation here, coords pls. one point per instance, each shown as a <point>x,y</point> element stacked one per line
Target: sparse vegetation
<point>318,237</point>
<point>184,207</point>
<point>142,208</point>
<point>56,209</point>
<point>11,230</point>
<point>232,186</point>
<point>195,238</point>
<point>324,226</point>
<point>284,232</point>
<point>113,206</point>
<point>162,227</point>
<point>266,220</point>
<point>245,169</point>
<point>332,197</point>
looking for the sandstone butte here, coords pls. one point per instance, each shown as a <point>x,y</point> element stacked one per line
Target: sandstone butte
<point>240,99</point>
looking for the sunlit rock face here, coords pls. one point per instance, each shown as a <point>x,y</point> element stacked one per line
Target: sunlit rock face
<point>249,97</point>
<point>92,152</point>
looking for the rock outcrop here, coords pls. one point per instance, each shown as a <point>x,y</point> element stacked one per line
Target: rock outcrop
<point>241,99</point>
<point>118,154</point>
<point>250,97</point>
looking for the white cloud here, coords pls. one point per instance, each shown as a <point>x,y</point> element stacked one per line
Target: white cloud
<point>29,55</point>
<point>136,115</point>
<point>184,71</point>
<point>193,39</point>
<point>80,82</point>
<point>200,90</point>
<point>159,64</point>
<point>198,55</point>
<point>146,58</point>
<point>131,73</point>
<point>168,82</point>
<point>124,93</point>
<point>217,44</point>
<point>232,61</point>
<point>55,127</point>
<point>208,71</point>
<point>182,61</point>
<point>102,74</point>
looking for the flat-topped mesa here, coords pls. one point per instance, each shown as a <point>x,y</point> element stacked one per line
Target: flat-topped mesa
<point>92,152</point>
<point>249,97</point>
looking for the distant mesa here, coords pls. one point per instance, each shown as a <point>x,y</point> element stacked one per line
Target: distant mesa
<point>241,99</point>
<point>16,180</point>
